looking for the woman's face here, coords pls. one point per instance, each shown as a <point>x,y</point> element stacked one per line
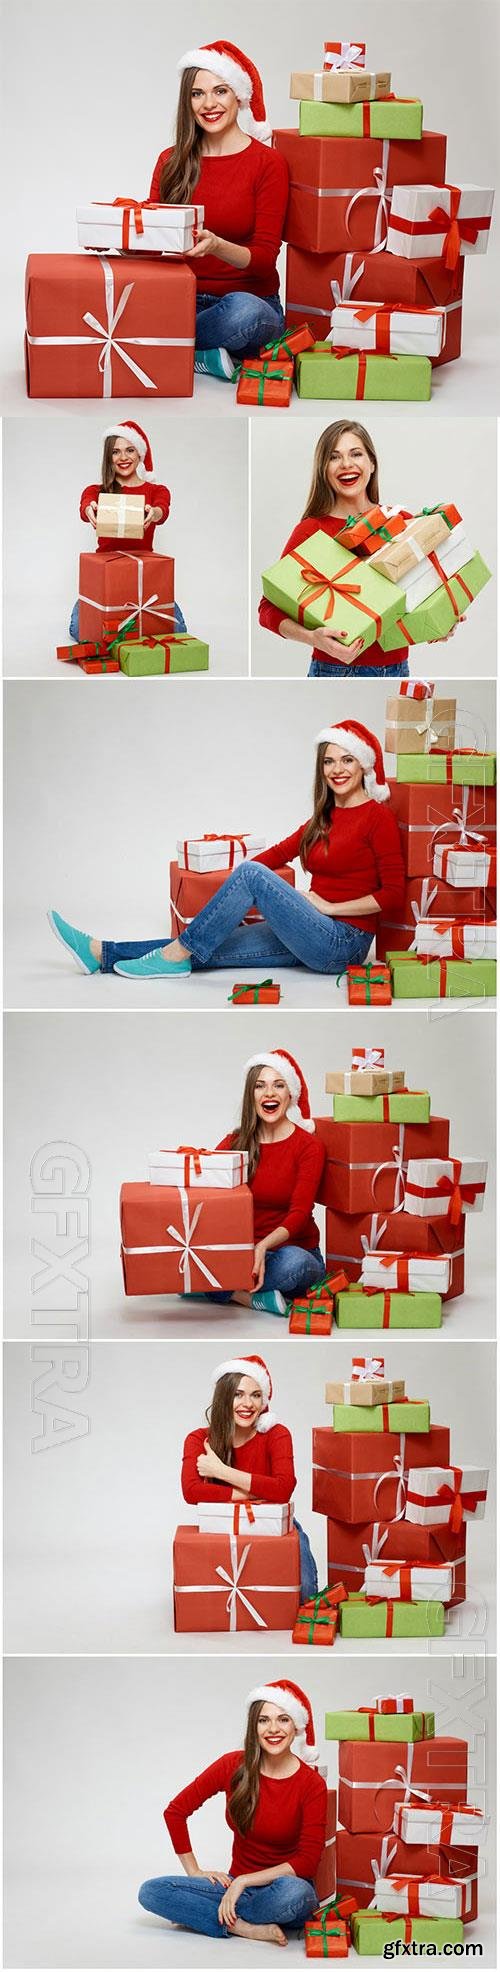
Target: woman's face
<point>248,1402</point>
<point>214,105</point>
<point>271,1096</point>
<point>343,774</point>
<point>125,459</point>
<point>275,1730</point>
<point>350,467</point>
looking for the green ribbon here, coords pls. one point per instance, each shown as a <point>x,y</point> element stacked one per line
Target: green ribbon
<point>354,520</point>
<point>276,349</point>
<point>438,510</point>
<point>265,375</point>
<point>364,978</point>
<point>238,991</point>
<point>314,1622</point>
<point>320,1931</point>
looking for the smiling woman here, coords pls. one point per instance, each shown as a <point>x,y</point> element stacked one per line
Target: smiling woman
<point>243,1453</point>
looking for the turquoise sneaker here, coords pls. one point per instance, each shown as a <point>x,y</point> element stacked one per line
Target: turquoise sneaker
<point>76,942</point>
<point>270,1304</point>
<point>214,363</point>
<point>152,966</point>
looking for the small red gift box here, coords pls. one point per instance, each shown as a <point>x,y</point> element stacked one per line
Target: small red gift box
<point>73,653</point>
<point>375,1776</point>
<point>358,1477</point>
<point>141,587</point>
<point>366,1162</point>
<point>369,985</point>
<point>351,1548</point>
<point>96,665</point>
<point>312,1313</point>
<point>190,890</point>
<point>322,165</point>
<point>317,281</point>
<point>320,1629</point>
<point>326,1937</point>
<point>289,344</point>
<point>365,533</point>
<point>349,1236</point>
<point>178,1240</point>
<point>262,381</point>
<point>265,994</point>
<point>225,1582</point>
<point>109,327</point>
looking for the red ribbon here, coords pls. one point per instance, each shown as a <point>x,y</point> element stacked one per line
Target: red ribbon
<point>458,1194</point>
<point>225,837</point>
<point>331,585</point>
<point>242,1506</point>
<point>404,1572</point>
<point>457,936</point>
<point>455,229</point>
<point>194,1152</point>
<point>386,1297</point>
<point>396,1916</point>
<point>413,1890</point>
<point>361,355</point>
<point>130,206</point>
<point>452,1496</point>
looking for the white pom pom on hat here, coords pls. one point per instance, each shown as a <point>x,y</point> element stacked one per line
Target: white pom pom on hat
<point>364,747</point>
<point>286,1066</point>
<point>224,59</point>
<point>136,436</point>
<point>295,1702</point>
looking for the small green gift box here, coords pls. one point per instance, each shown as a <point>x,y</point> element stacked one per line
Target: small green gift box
<point>150,658</point>
<point>395,1727</point>
<point>361,1617</point>
<point>389,117</point>
<point>326,372</point>
<point>374,1932</point>
<point>358,1309</point>
<point>438,614</point>
<point>407,1416</point>
<point>412,1107</point>
<point>441,979</point>
<point>323,586</point>
<point>466,769</point>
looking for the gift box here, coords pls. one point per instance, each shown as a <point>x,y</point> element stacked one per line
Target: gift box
<point>366,1162</point>
<point>409,1273</point>
<point>405,1581</point>
<point>73,653</point>
<point>463,769</point>
<point>120,515</point>
<point>331,1943</point>
<point>132,226</point>
<point>262,381</point>
<point>184,1240</point>
<point>312,1313</point>
<point>463,868</point>
<point>344,54</point>
<point>324,178</point>
<point>190,890</point>
<point>421,814</point>
<point>441,1821</point>
<point>375,1933</point>
<point>403,1703</point>
<point>217,852</point>
<point>406,1414</point>
<point>95,666</point>
<point>363,1859</point>
<point>422,225</point>
<point>435,617</point>
<point>418,1896</point>
<point>366,1058</point>
<point>153,658</point>
<point>404,560</point>
<point>358,1478</point>
<point>319,1630</point>
<point>345,85</point>
<point>364,534</point>
<point>244,1517</point>
<point>364,1081</point>
<point>331,373</point>
<point>425,901</point>
<point>351,1548</point>
<point>368,1724</point>
<point>350,1237</point>
<point>453,939</point>
<point>368,1617</point>
<point>261,993</point>
<point>369,985</point>
<point>214,1170</point>
<point>366,1392</point>
<point>408,1105</point>
<point>411,728</point>
<point>445,1187</point>
<point>393,117</point>
<point>374,1779</point>
<point>226,1582</point>
<point>140,588</point>
<point>441,979</point>
<point>445,1496</point>
<point>108,328</point>
<point>321,585</point>
<point>365,1308</point>
<point>388,331</point>
<point>318,281</point>
<point>288,344</point>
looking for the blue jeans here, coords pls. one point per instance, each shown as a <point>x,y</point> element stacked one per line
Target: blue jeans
<point>293,932</point>
<point>319,670</point>
<point>240,322</point>
<point>194,1903</point>
<point>308,1569</point>
<point>290,1269</point>
<point>179,625</point>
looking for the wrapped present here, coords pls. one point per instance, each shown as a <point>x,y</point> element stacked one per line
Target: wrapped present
<point>364,1081</point>
<point>402,1703</point>
<point>190,890</point>
<point>373,1779</point>
<point>311,1313</point>
<point>407,1414</point>
<point>350,373</point>
<point>406,1581</point>
<point>215,1170</point>
<point>140,588</point>
<point>352,1547</point>
<point>409,1273</point>
<point>419,688</point>
<point>333,1942</point>
<point>419,1896</point>
<point>259,993</point>
<point>288,344</point>
<point>344,54</point>
<point>411,727</point>
<point>319,1630</point>
<point>442,765</point>
<point>439,1821</point>
<point>368,1723</point>
<point>422,225</point>
<point>463,868</point>
<point>363,534</point>
<point>264,381</point>
<point>350,1237</point>
<point>452,938</point>
<point>358,1478</point>
<point>366,1391</point>
<point>217,852</point>
<point>405,1106</point>
<point>377,1933</point>
<point>366,1616</point>
<point>98,327</point>
<point>338,190</point>
<point>362,1860</point>
<point>95,666</point>
<point>226,1582</point>
<point>445,1187</point>
<point>323,586</point>
<point>155,657</point>
<point>182,1241</point>
<point>401,560</point>
<point>421,815</point>
<point>341,85</point>
<point>317,282</point>
<point>132,226</point>
<point>120,515</point>
<point>369,985</point>
<point>391,117</point>
<point>365,1367</point>
<point>424,575</point>
<point>366,1308</point>
<point>388,330</point>
<point>445,1496</point>
<point>366,1058</point>
<point>435,617</point>
<point>244,1517</point>
<point>426,900</point>
<point>73,653</point>
<point>441,979</point>
<point>366,1162</point>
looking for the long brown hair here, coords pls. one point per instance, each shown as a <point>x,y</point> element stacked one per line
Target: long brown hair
<point>246,1137</point>
<point>320,493</point>
<point>181,171</point>
<point>109,481</point>
<point>244,1794</point>
<point>317,829</point>
<point>220,1416</point>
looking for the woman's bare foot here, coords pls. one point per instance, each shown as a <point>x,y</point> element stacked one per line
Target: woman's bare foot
<point>174,951</point>
<point>242,1300</point>
<point>261,1934</point>
<point>96,949</point>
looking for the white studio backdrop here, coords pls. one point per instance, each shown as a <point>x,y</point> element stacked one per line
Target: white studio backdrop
<point>85,1803</point>
<point>117,792</point>
<point>126,1086</point>
<point>454,461</point>
<point>206,532</point>
<point>78,101</point>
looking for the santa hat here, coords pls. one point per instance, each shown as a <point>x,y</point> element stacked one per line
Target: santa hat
<point>222,58</point>
<point>294,1701</point>
<point>366,748</point>
<point>135,436</point>
<point>285,1065</point>
<point>255,1367</point>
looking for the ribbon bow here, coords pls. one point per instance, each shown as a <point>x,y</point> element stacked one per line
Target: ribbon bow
<point>379,191</point>
<point>265,375</point>
<point>422,908</point>
<point>400,1474</point>
<point>184,1241</point>
<point>400,1164</point>
<point>366,1369</point>
<point>131,209</point>
<point>382,1867</point>
<point>372,1552</point>
<point>367,1058</point>
<point>235,1591</point>
<point>455,229</point>
<point>106,331</point>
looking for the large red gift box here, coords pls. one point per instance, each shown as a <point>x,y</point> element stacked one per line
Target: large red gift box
<point>358,1476</point>
<point>110,327</point>
<point>326,172</point>
<point>399,1232</point>
<point>190,890</point>
<point>428,897</point>
<point>360,1857</point>
<point>355,1151</point>
<point>350,1548</point>
<point>326,1876</point>
<point>126,585</point>
<point>182,1241</point>
<point>372,1778</point>
<point>316,281</point>
<point>227,1582</point>
<point>422,809</point>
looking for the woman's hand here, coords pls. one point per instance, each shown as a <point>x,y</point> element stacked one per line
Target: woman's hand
<point>213,1876</point>
<point>206,243</point>
<point>152,516</point>
<point>91,513</point>
<point>209,1465</point>
<point>336,649</point>
<point>319,904</point>
<point>227,1906</point>
<point>449,633</point>
<point>259,1265</point>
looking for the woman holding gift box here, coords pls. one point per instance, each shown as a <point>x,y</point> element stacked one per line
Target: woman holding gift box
<point>285,1167</point>
<point>276,1806</point>
<point>127,467</point>
<point>246,1454</point>
<point>243,187</point>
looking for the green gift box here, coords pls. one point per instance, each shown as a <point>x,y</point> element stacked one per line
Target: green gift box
<point>326,372</point>
<point>359,1617</point>
<point>437,616</point>
<point>441,979</point>
<point>151,659</point>
<point>467,769</point>
<point>323,586</point>
<point>361,1310</point>
<point>412,1107</point>
<point>386,118</point>
<point>372,1932</point>
<point>397,1727</point>
<point>408,1416</point>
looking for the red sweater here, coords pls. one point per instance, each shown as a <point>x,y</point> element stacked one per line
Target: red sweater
<point>288,1826</point>
<point>270,617</point>
<point>361,857</point>
<point>268,1456</point>
<point>155,496</point>
<point>287,1179</point>
<point>245,198</point>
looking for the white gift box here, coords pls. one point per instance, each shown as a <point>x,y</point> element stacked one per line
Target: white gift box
<point>117,229</point>
<point>412,331</point>
<point>431,1183</point>
<point>424,580</point>
<point>424,1824</point>
<point>448,939</point>
<point>466,1484</point>
<point>464,869</point>
<point>427,1273</point>
<point>430,1583</point>
<point>220,852</point>
<point>244,1517</point>
<point>435,1899</point>
<point>220,1170</point>
<point>344,54</point>
<point>416,236</point>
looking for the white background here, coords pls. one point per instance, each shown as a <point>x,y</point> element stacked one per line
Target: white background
<point>95,1750</point>
<point>119,1088</point>
<point>454,461</point>
<point>206,532</point>
<point>95,806</point>
<point>108,119</point>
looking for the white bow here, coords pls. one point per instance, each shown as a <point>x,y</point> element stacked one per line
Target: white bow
<point>185,1243</point>
<point>234,1588</point>
<point>107,333</point>
<point>458,824</point>
<point>399,1472</point>
<point>367,1058</point>
<point>351,56</point>
<point>382,1868</point>
<point>369,1243</point>
<point>369,1371</point>
<point>421,910</point>
<point>373,1552</point>
<point>400,1165</point>
<point>377,191</point>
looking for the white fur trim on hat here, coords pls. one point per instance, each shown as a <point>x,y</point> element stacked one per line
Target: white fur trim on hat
<point>126,431</point>
<point>284,1068</point>
<point>221,65</point>
<point>339,736</point>
<point>275,1694</point>
<point>241,1366</point>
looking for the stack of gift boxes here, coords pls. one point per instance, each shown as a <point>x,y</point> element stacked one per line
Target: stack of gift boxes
<point>397,1203</point>
<point>239,1569</point>
<point>189,1228</point>
<point>126,604</point>
<point>376,235</point>
<point>115,320</point>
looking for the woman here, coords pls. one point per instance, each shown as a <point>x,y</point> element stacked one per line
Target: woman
<point>127,467</point>
<point>344,484</point>
<point>351,848</point>
<point>243,187</point>
<point>285,1168</point>
<point>276,1810</point>
<point>245,1454</point>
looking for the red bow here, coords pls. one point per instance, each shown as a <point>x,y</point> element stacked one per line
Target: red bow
<point>455,229</point>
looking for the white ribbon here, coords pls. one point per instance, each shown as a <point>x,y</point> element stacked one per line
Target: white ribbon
<point>105,333</point>
<point>351,56</point>
<point>387,1854</point>
<point>344,293</point>
<point>400,1474</point>
<point>399,1701</point>
<point>367,1058</point>
<point>370,1242</point>
<point>377,191</point>
<point>235,1591</point>
<point>136,609</point>
<point>373,1552</point>
<point>458,825</point>
<point>186,1248</point>
<point>422,908</point>
<point>367,1369</point>
<point>400,1166</point>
